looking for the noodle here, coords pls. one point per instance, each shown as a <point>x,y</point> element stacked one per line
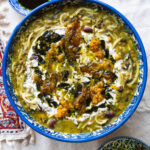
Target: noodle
<point>29,41</point>
<point>136,75</point>
<point>62,18</point>
<point>80,10</point>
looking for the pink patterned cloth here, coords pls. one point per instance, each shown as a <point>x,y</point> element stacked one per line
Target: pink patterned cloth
<point>12,128</point>
<point>9,120</point>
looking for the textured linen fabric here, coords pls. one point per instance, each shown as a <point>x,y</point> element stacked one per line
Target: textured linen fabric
<point>138,13</point>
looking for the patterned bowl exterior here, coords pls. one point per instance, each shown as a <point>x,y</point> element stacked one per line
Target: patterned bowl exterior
<point>74,137</point>
<point>121,143</point>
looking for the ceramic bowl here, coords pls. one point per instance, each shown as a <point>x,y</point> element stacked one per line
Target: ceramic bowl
<point>20,9</point>
<point>74,137</point>
<point>124,143</point>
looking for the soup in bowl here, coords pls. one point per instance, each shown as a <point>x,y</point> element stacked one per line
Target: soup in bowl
<point>75,71</point>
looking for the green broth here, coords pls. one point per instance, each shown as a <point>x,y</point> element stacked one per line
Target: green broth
<point>77,71</point>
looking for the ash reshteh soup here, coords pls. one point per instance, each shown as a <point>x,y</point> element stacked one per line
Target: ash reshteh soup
<point>75,69</point>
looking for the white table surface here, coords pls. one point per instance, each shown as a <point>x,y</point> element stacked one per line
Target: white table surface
<point>138,12</point>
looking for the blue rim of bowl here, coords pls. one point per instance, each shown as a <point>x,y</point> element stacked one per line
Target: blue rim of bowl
<point>123,137</point>
<point>20,9</point>
<point>97,136</point>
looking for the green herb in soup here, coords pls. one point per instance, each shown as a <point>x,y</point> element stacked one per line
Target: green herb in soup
<point>75,71</point>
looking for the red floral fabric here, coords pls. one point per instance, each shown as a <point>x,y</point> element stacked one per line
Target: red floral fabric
<point>8,117</point>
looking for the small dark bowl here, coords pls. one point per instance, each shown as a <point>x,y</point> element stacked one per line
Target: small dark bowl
<point>19,8</point>
<point>124,143</point>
